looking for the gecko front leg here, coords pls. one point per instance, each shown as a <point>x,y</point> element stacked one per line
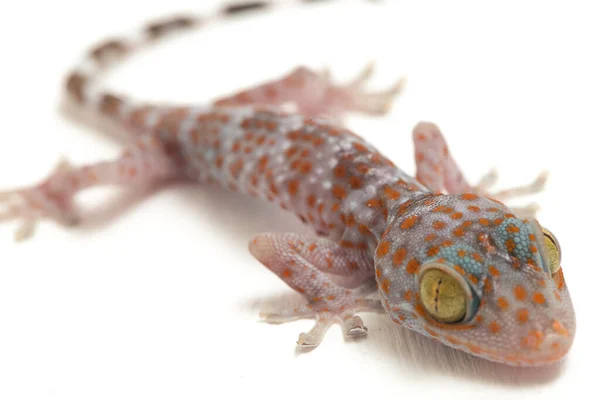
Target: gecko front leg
<point>310,266</point>
<point>437,169</point>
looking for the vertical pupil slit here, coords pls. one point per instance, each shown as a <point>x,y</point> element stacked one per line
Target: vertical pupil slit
<point>437,294</point>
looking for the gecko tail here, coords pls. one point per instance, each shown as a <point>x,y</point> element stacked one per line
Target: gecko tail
<point>81,84</point>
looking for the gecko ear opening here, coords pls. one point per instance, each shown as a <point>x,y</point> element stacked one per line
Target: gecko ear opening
<point>446,296</point>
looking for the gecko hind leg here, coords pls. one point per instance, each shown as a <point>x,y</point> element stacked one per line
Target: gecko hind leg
<point>143,162</point>
<point>437,169</point>
<point>305,263</point>
<point>313,93</point>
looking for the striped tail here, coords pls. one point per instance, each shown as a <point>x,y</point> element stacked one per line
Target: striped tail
<point>81,82</point>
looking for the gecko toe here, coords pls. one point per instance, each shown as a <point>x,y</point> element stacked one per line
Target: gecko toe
<point>354,327</point>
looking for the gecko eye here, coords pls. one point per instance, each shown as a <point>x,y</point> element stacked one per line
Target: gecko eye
<point>445,295</point>
<point>553,250</point>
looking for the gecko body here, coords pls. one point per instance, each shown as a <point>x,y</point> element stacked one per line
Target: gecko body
<point>446,259</point>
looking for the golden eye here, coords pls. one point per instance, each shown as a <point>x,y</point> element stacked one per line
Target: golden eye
<point>553,249</point>
<point>443,296</point>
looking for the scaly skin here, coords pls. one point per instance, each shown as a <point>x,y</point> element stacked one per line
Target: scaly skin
<point>376,227</point>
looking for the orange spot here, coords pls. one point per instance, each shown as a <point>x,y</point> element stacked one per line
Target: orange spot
<point>542,283</point>
<point>469,196</point>
<point>399,256</point>
<point>533,340</point>
<point>484,221</point>
<point>374,203</point>
<point>363,229</point>
<point>439,225</point>
<point>538,298</point>
<point>305,167</point>
<point>360,147</point>
<point>522,315</point>
<point>473,279</point>
<point>459,269</point>
<point>430,237</point>
<point>520,293</point>
<point>363,168</point>
<point>391,194</point>
<point>461,253</point>
<point>560,328</point>
<point>474,349</point>
<point>452,340</point>
<point>431,332</point>
<point>456,215</point>
<point>459,232</point>
<point>339,192</point>
<point>493,271</point>
<point>510,245</point>
<point>412,266</point>
<point>262,163</point>
<point>347,244</point>
<point>287,273</point>
<point>433,251</point>
<point>408,295</point>
<point>487,286</point>
<point>557,295</point>
<point>477,257</point>
<point>474,208</point>
<point>219,161</point>
<point>339,171</point>
<point>447,243</point>
<point>559,279</point>
<point>494,327</point>
<point>498,221</point>
<point>293,187</point>
<point>383,249</point>
<point>355,182</point>
<point>512,229</point>
<point>261,140</point>
<point>385,285</point>
<point>502,303</point>
<point>409,222</point>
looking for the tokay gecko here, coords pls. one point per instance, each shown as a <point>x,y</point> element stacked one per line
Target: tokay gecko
<point>443,258</point>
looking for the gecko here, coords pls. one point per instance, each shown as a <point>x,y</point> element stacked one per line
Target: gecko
<point>436,254</point>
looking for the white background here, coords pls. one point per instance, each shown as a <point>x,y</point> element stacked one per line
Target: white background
<point>156,297</point>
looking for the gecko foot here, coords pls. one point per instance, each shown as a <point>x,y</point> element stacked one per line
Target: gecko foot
<point>527,211</point>
<point>371,103</point>
<point>50,199</point>
<point>326,314</point>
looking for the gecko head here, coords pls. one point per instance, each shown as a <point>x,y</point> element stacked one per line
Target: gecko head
<point>466,271</point>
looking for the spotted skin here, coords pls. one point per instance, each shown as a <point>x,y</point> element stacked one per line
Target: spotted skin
<point>376,228</point>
